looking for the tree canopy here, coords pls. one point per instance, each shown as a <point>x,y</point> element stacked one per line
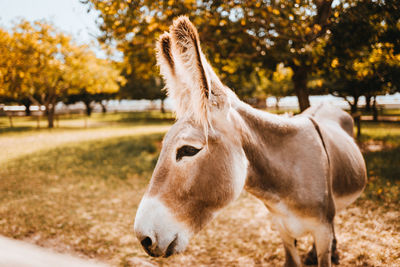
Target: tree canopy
<point>237,36</point>
<point>362,55</point>
<point>43,65</point>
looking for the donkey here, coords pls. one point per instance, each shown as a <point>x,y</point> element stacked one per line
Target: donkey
<point>305,168</point>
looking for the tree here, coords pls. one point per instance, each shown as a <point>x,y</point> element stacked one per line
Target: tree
<point>12,71</point>
<point>37,53</point>
<point>94,79</point>
<point>281,83</point>
<point>88,99</point>
<point>357,61</point>
<point>44,65</point>
<point>278,83</point>
<point>238,36</point>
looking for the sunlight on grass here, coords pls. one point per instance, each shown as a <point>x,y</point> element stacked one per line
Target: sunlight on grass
<point>15,142</point>
<point>81,196</point>
<point>380,131</point>
<point>391,112</point>
<point>80,121</point>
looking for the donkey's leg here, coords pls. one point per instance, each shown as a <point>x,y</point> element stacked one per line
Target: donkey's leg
<point>292,257</point>
<point>335,253</point>
<point>311,257</point>
<point>323,237</point>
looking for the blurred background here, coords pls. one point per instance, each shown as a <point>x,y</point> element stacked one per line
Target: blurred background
<point>82,116</point>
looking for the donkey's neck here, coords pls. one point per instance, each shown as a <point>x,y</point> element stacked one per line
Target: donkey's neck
<point>263,138</point>
<point>262,122</point>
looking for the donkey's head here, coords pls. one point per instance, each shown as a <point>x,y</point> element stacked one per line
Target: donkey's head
<point>202,166</point>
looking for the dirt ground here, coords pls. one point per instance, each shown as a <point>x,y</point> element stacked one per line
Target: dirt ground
<point>241,235</point>
<point>368,235</point>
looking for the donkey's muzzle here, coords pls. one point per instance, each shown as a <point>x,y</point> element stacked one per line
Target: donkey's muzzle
<point>146,244</point>
<point>157,230</point>
<point>153,250</point>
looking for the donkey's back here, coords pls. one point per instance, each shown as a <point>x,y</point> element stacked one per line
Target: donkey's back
<point>347,164</point>
<point>325,113</point>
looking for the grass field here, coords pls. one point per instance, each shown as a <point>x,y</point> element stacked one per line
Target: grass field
<point>76,190</point>
<point>79,121</point>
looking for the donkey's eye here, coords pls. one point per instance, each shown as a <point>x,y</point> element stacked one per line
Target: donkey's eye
<point>186,151</point>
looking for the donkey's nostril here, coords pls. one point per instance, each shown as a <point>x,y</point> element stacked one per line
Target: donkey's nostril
<point>146,242</point>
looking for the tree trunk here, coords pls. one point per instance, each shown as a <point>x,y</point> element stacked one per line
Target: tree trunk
<point>354,106</point>
<point>374,110</point>
<point>103,107</point>
<point>277,102</point>
<point>89,108</point>
<point>356,116</point>
<point>27,110</point>
<point>11,121</point>
<point>368,103</point>
<point>162,106</point>
<point>357,120</point>
<point>299,79</point>
<point>50,115</point>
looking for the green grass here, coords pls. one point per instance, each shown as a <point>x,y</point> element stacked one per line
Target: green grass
<point>79,121</point>
<point>390,112</point>
<point>383,176</point>
<point>116,157</point>
<point>382,112</point>
<point>386,132</point>
<point>383,166</point>
<point>81,196</point>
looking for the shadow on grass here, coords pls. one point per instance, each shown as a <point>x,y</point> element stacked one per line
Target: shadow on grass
<point>17,129</point>
<point>384,175</point>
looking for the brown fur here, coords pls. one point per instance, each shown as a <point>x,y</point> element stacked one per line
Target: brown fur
<point>270,154</point>
<point>348,168</point>
<point>304,168</point>
<point>193,199</point>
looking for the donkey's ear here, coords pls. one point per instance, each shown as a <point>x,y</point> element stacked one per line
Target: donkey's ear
<point>165,60</point>
<point>186,47</point>
<point>190,80</point>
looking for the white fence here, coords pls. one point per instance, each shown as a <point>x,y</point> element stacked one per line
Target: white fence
<point>286,103</point>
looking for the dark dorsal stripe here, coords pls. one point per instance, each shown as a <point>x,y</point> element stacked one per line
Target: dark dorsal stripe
<point>330,204</point>
<point>182,31</point>
<point>166,51</point>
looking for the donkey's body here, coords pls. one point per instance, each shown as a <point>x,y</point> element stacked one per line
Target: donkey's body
<point>304,168</point>
<point>309,160</point>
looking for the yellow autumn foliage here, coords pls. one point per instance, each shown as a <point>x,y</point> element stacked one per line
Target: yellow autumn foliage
<point>42,64</point>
